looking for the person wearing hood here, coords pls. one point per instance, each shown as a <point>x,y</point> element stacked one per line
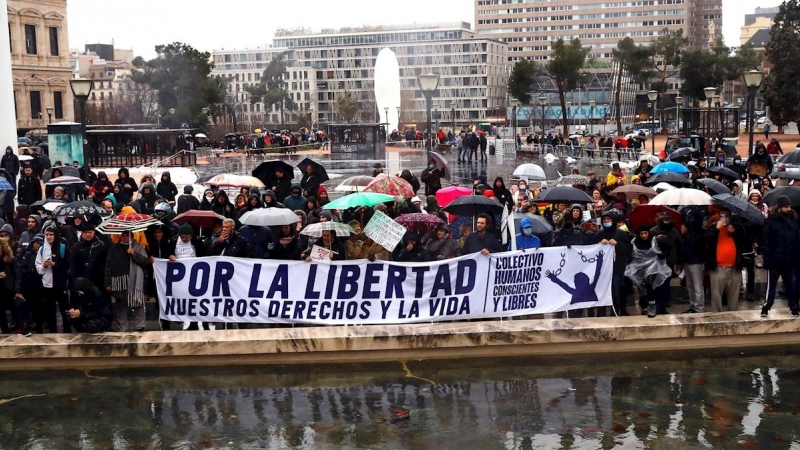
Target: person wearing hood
<point>432,177</point>
<point>780,244</point>
<point>7,198</point>
<point>147,201</point>
<point>126,183</point>
<point>412,180</point>
<point>719,159</point>
<point>119,195</point>
<point>253,203</point>
<point>432,207</point>
<point>525,239</point>
<point>737,166</point>
<point>503,195</point>
<point>287,244</point>
<point>295,200</point>
<point>669,240</point>
<point>759,163</point>
<point>10,163</point>
<point>187,201</point>
<point>412,250</point>
<point>270,201</point>
<point>52,265</point>
<point>280,183</point>
<point>310,182</point>
<point>28,285</point>
<point>569,234</point>
<point>207,201</point>
<point>30,187</point>
<point>102,187</point>
<point>34,227</point>
<point>91,309</point>
<point>259,239</point>
<point>479,183</point>
<point>737,190</point>
<point>87,257</point>
<point>166,188</point>
<point>442,246</point>
<point>222,205</point>
<point>647,269</point>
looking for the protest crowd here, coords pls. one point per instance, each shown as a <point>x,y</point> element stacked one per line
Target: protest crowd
<point>82,249</point>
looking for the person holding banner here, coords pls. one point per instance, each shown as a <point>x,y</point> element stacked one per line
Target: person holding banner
<point>482,240</point>
<point>328,242</point>
<point>230,242</point>
<point>125,281</point>
<point>442,245</point>
<point>623,253</point>
<point>412,251</point>
<point>525,238</point>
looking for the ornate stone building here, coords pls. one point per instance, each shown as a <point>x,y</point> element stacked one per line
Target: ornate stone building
<point>40,62</point>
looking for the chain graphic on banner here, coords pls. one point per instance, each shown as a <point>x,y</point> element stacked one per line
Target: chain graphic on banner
<point>587,260</point>
<point>561,264</point>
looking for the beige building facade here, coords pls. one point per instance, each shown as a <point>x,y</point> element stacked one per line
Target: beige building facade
<point>40,62</point>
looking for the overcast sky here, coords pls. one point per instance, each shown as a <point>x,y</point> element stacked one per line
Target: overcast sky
<point>141,25</point>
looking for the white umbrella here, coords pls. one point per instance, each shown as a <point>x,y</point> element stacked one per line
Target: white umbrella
<point>651,159</point>
<point>200,136</point>
<point>269,217</point>
<point>681,197</point>
<point>315,230</point>
<point>530,171</point>
<point>661,187</point>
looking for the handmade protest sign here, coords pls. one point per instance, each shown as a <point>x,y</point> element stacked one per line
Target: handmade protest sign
<point>385,231</point>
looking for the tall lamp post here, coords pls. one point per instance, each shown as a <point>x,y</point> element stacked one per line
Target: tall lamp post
<point>716,107</point>
<point>453,115</point>
<point>515,105</point>
<point>386,113</point>
<point>81,88</point>
<point>592,104</point>
<point>653,96</point>
<point>543,104</point>
<point>753,80</point>
<point>49,110</point>
<point>569,106</point>
<point>678,101</point>
<point>427,84</point>
<point>709,93</point>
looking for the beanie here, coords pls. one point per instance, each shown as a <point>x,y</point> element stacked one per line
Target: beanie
<point>186,229</point>
<point>783,201</point>
<point>327,214</point>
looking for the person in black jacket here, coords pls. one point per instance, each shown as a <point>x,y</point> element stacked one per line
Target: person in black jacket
<point>187,201</point>
<point>610,234</point>
<point>432,177</point>
<point>280,184</point>
<point>87,258</point>
<point>503,195</point>
<point>780,244</point>
<point>223,206</point>
<point>310,182</point>
<point>166,188</point>
<point>412,250</point>
<point>287,245</point>
<point>759,162</point>
<point>693,255</point>
<point>147,202</point>
<point>126,183</point>
<point>230,242</point>
<point>91,309</point>
<point>10,163</point>
<point>28,284</point>
<point>482,239</point>
<point>30,188</point>
<point>482,143</point>
<point>412,180</point>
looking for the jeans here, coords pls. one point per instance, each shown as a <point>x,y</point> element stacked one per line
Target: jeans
<point>694,283</point>
<point>725,280</point>
<point>462,153</point>
<point>787,275</point>
<point>483,154</point>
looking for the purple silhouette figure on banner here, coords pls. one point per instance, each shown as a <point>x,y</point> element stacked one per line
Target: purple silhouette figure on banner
<point>583,292</point>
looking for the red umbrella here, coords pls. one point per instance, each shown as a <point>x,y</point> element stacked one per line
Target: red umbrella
<point>389,185</point>
<point>201,219</point>
<point>419,222</point>
<point>646,215</point>
<point>450,193</point>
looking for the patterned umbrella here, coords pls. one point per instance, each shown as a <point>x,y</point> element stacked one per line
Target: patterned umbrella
<point>75,209</point>
<point>419,222</point>
<point>572,180</point>
<point>634,191</point>
<point>389,185</point>
<point>129,222</point>
<point>354,184</point>
<point>315,230</point>
<point>450,193</point>
<point>64,181</point>
<point>231,180</point>
<point>201,219</point>
<point>740,207</point>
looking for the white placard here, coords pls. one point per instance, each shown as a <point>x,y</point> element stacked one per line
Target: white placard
<point>385,231</point>
<point>320,253</point>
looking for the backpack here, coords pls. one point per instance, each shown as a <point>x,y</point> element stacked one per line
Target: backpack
<point>62,249</point>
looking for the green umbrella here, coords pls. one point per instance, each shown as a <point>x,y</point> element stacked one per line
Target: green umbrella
<point>359,199</point>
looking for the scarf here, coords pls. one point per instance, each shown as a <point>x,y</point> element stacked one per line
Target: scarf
<point>127,276</point>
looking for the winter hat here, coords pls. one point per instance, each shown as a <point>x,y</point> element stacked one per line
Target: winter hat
<point>8,229</point>
<point>88,226</point>
<point>188,189</point>
<point>38,238</point>
<point>186,229</point>
<point>755,192</point>
<point>783,201</point>
<point>327,214</point>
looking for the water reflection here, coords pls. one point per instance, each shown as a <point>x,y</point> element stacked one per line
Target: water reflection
<point>507,404</point>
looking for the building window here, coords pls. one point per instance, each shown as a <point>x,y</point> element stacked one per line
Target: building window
<point>58,105</point>
<point>30,39</point>
<point>36,105</point>
<point>53,41</point>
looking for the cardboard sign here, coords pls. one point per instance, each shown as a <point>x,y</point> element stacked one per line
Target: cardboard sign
<point>385,231</point>
<point>320,253</point>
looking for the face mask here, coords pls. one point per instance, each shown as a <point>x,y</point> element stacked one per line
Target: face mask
<point>721,159</point>
<point>209,197</point>
<point>431,166</point>
<point>607,225</point>
<point>527,231</point>
<point>523,188</point>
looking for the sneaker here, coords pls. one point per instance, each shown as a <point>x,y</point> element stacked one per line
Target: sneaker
<point>690,311</point>
<point>764,312</point>
<point>795,313</point>
<point>651,311</point>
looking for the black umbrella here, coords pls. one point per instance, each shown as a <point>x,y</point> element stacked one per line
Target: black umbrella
<point>66,171</point>
<point>790,191</point>
<point>741,208</point>
<point>792,157</point>
<point>785,175</point>
<point>725,172</point>
<point>472,205</point>
<point>669,178</point>
<point>267,168</point>
<point>540,225</point>
<point>204,178</point>
<point>564,194</point>
<point>319,171</point>
<point>714,186</point>
<point>683,152</point>
<point>76,209</point>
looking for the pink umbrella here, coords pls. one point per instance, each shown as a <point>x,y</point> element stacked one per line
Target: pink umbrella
<point>450,193</point>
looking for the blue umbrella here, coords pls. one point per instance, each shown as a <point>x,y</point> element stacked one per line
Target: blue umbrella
<point>669,167</point>
<point>5,185</point>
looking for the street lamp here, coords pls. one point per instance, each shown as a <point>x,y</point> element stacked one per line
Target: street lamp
<point>569,105</point>
<point>543,104</point>
<point>709,93</point>
<point>514,105</point>
<point>49,110</point>
<point>678,101</point>
<point>653,96</point>
<point>81,88</point>
<point>592,104</point>
<point>453,115</point>
<point>427,84</point>
<point>386,113</point>
<point>716,106</point>
<point>753,80</point>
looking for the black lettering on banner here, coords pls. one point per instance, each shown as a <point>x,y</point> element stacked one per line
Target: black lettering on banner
<point>516,282</point>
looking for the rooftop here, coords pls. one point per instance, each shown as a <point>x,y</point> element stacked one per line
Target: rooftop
<point>373,29</point>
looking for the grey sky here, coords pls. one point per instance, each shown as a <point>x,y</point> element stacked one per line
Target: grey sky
<point>143,24</point>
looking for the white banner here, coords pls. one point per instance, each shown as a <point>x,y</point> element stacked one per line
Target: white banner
<point>223,289</point>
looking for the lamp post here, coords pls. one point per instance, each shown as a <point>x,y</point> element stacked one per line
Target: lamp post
<point>49,110</point>
<point>386,113</point>
<point>514,106</point>
<point>653,96</point>
<point>427,84</point>
<point>716,107</point>
<point>543,104</point>
<point>81,88</point>
<point>592,104</point>
<point>453,115</point>
<point>569,106</point>
<point>709,93</point>
<point>753,80</point>
<point>678,101</point>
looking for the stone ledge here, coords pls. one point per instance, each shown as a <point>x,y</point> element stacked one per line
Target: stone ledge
<point>740,329</point>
